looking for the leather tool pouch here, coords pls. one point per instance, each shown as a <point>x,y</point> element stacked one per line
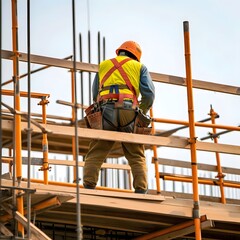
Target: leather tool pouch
<point>141,124</point>
<point>93,116</point>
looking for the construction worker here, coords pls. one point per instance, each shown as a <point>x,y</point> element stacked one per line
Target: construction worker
<point>116,88</point>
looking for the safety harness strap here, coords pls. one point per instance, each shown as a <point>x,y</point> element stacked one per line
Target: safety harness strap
<point>123,74</point>
<point>122,86</point>
<point>119,96</point>
<point>114,67</point>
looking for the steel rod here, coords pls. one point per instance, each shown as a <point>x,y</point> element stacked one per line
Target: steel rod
<point>0,92</point>
<point>99,48</point>
<point>29,139</point>
<point>215,135</point>
<point>78,207</point>
<point>104,48</point>
<point>89,73</point>
<point>81,74</point>
<point>74,105</point>
<point>103,171</point>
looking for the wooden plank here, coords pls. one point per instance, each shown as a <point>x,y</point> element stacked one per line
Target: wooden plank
<point>176,142</point>
<point>205,198</point>
<point>184,232</point>
<point>55,62</point>
<point>170,206</point>
<point>125,218</point>
<point>39,116</point>
<point>124,195</point>
<point>138,204</point>
<point>39,162</point>
<point>34,230</point>
<point>200,84</point>
<point>163,78</point>
<point>100,219</point>
<point>53,189</point>
<point>21,219</point>
<point>47,192</point>
<point>221,212</point>
<point>218,147</point>
<point>5,231</point>
<point>122,203</point>
<point>81,164</point>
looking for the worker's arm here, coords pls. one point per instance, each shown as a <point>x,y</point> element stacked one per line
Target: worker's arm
<point>95,87</point>
<point>147,90</point>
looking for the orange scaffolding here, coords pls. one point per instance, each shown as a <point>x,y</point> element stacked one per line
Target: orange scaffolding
<point>48,128</point>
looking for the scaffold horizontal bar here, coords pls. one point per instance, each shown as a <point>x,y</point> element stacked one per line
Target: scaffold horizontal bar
<point>158,77</point>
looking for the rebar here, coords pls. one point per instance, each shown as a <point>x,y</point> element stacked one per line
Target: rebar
<point>78,207</point>
<point>104,48</point>
<point>29,122</point>
<point>99,48</point>
<point>89,73</point>
<point>81,73</point>
<point>0,92</point>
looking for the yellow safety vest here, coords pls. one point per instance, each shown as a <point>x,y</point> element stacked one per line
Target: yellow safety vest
<point>119,79</point>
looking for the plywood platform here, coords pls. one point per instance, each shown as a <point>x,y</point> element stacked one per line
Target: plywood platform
<point>137,213</point>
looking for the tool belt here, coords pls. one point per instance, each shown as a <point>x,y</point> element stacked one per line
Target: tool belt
<point>101,116</point>
<point>142,122</point>
<point>93,116</point>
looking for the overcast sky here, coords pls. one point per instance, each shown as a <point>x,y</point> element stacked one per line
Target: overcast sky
<point>157,25</point>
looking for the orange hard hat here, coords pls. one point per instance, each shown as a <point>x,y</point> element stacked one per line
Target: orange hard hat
<point>131,47</point>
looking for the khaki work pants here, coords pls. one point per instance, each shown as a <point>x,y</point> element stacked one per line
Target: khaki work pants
<point>99,150</point>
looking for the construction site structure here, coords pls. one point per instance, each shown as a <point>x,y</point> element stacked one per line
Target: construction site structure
<point>39,208</point>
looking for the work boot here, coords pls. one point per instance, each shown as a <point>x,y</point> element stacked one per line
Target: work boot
<point>142,191</point>
<point>88,186</point>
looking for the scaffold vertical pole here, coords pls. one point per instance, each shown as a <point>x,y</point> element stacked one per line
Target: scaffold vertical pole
<point>192,140</point>
<point>220,174</point>
<point>45,166</point>
<point>155,157</point>
<point>18,135</point>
